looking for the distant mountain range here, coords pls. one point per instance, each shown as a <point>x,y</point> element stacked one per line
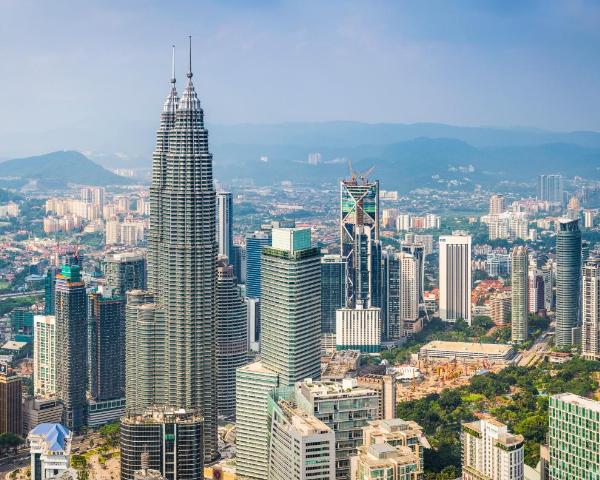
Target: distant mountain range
<point>57,169</point>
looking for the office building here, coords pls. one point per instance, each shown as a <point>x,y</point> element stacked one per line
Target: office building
<point>238,261</point>
<point>254,382</point>
<point>172,439</point>
<point>333,292</point>
<point>145,363</point>
<point>455,277</point>
<point>497,204</point>
<point>255,243</point>
<point>49,290</point>
<point>290,341</point>
<point>590,310</point>
<point>358,329</point>
<point>359,240</point>
<point>489,450</point>
<point>71,345</point>
<point>50,449</point>
<point>40,410</point>
<point>225,224</point>
<point>106,344</point>
<point>573,437</point>
<point>21,324</point>
<point>291,316</point>
<point>536,291</point>
<point>548,274</point>
<point>301,446</point>
<point>417,250</point>
<point>520,283</point>
<point>125,271</point>
<point>568,277</point>
<point>253,321</point>
<point>411,274</point>
<point>550,188</point>
<point>231,338</point>
<point>345,408</point>
<point>11,410</point>
<point>391,315</point>
<point>145,472</point>
<point>182,256</point>
<point>44,355</point>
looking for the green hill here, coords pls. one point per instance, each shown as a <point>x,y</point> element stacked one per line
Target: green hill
<point>61,168</point>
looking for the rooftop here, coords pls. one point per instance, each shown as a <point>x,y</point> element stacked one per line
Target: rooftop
<point>54,435</point>
<point>577,400</point>
<point>476,348</point>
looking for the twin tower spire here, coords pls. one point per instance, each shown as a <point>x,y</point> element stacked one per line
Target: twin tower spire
<point>190,73</point>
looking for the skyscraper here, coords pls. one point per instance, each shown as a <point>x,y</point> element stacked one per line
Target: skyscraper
<point>182,255</point>
<point>232,336</point>
<point>49,290</point>
<point>497,205</point>
<point>520,283</point>
<point>225,224</point>
<point>11,410</point>
<point>455,277</point>
<point>359,240</point>
<point>333,293</point>
<point>550,188</point>
<point>590,310</point>
<point>106,344</point>
<point>417,250</point>
<point>568,274</point>
<point>255,243</point>
<point>290,341</point>
<point>71,345</point>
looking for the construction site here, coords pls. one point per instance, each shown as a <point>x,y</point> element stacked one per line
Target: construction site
<point>435,376</point>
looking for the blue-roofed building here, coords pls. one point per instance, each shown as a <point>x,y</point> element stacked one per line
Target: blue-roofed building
<point>50,449</point>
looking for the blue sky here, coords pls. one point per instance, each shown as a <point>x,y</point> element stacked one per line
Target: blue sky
<point>93,74</point>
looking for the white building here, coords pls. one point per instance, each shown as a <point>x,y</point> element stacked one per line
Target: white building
<point>113,232</point>
<point>301,446</point>
<point>489,451</point>
<point>409,287</point>
<point>590,303</point>
<point>50,448</point>
<point>403,222</point>
<point>358,329</point>
<point>44,355</point>
<point>455,277</point>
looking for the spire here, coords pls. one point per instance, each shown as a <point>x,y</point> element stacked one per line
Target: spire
<point>173,66</point>
<point>190,74</point>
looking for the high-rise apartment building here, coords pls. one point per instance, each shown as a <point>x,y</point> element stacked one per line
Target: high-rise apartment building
<point>44,355</point>
<point>489,450</point>
<point>536,291</point>
<point>497,204</point>
<point>255,243</point>
<point>346,409</point>
<point>417,250</point>
<point>182,256</point>
<point>519,292</point>
<point>301,447</point>
<point>93,195</point>
<point>411,274</point>
<point>568,277</point>
<point>232,336</point>
<point>455,277</point>
<point>333,292</point>
<point>291,306</point>
<point>106,344</point>
<point>225,224</point>
<point>359,237</point>
<point>125,271</point>
<point>590,310</point>
<point>171,439</point>
<point>71,345</point>
<point>550,188</point>
<point>11,409</point>
<point>573,437</point>
<point>384,461</point>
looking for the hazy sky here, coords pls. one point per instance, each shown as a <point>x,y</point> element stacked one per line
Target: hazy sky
<point>93,74</point>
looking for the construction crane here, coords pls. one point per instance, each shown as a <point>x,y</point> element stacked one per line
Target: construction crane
<point>354,175</point>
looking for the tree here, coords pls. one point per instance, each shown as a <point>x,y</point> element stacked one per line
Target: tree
<point>110,433</point>
<point>10,441</point>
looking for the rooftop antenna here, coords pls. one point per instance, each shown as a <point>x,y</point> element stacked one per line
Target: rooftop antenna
<point>173,66</point>
<point>190,74</point>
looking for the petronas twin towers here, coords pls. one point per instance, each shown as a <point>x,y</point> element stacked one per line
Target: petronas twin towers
<point>177,357</point>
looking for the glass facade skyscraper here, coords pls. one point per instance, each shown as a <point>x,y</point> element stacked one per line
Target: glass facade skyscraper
<point>255,243</point>
<point>568,277</point>
<point>333,290</point>
<point>550,188</point>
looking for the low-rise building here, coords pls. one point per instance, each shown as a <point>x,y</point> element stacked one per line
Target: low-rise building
<point>470,352</point>
<point>40,410</point>
<point>50,448</point>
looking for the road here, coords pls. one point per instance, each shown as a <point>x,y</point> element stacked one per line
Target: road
<point>8,465</point>
<point>534,354</point>
<point>21,294</point>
